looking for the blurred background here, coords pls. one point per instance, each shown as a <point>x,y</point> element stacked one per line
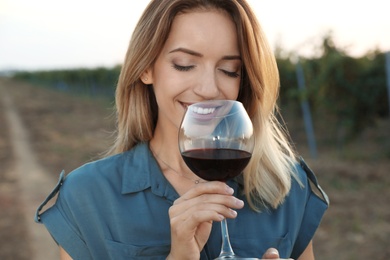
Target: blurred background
<point>45,34</point>
<point>59,62</point>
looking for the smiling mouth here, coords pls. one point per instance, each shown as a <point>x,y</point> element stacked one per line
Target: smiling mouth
<point>202,110</point>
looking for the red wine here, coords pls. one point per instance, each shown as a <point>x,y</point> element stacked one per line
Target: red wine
<point>216,164</point>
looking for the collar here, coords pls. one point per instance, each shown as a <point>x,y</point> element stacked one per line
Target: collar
<point>141,172</point>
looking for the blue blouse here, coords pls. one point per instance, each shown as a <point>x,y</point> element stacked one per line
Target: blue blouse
<point>117,208</point>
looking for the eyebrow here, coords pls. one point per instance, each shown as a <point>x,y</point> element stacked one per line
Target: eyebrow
<point>197,54</point>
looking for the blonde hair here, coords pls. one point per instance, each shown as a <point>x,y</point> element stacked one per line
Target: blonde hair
<point>267,178</point>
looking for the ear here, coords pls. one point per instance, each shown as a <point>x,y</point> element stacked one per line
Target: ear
<point>147,77</point>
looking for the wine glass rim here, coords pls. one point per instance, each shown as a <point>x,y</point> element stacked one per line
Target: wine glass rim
<point>218,103</point>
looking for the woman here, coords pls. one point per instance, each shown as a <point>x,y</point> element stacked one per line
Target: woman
<point>143,201</point>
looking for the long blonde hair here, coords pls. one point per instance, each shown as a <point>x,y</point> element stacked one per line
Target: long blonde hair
<point>268,176</point>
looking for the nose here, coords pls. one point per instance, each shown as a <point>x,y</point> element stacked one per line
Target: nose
<point>207,86</point>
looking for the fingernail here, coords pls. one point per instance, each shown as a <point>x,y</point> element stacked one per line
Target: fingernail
<point>233,213</point>
<point>273,251</point>
<point>239,203</point>
<point>230,190</point>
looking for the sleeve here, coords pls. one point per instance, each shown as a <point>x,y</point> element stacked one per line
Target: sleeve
<point>316,205</point>
<point>60,226</point>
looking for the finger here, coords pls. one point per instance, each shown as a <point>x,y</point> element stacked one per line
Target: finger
<point>271,253</point>
<point>205,199</point>
<point>212,192</point>
<point>203,212</point>
<point>214,187</point>
<point>222,204</point>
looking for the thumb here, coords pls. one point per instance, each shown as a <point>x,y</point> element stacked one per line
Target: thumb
<point>271,253</point>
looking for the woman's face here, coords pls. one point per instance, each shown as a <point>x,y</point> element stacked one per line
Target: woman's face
<point>199,61</point>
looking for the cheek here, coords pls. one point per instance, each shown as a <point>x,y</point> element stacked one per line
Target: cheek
<point>235,92</point>
<point>230,90</point>
<point>167,88</point>
<point>165,80</point>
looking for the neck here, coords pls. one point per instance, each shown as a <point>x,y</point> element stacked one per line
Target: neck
<point>173,166</point>
<point>166,151</point>
<point>165,148</point>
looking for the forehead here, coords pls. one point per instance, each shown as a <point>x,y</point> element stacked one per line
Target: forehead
<point>199,28</point>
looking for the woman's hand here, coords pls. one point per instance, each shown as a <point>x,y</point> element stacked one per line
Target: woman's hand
<point>192,215</point>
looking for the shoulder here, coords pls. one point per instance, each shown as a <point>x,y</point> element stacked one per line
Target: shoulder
<point>103,175</point>
<point>87,183</point>
<point>96,170</point>
<point>307,180</point>
<point>300,173</point>
<point>304,190</point>
<point>108,167</point>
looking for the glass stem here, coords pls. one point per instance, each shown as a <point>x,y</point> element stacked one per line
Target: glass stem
<point>226,250</point>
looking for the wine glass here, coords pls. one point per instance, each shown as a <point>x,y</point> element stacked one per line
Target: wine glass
<point>216,142</point>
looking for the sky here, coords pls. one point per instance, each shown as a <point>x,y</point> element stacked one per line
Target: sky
<point>51,34</point>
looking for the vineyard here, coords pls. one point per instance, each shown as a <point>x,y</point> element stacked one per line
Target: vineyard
<point>350,92</point>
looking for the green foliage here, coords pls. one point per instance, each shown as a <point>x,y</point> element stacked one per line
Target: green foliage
<point>288,84</point>
<point>92,82</point>
<point>350,91</point>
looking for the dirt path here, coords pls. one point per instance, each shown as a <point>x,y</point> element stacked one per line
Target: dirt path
<point>32,179</point>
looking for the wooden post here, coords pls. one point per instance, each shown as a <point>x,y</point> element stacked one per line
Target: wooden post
<point>306,112</point>
<point>388,77</point>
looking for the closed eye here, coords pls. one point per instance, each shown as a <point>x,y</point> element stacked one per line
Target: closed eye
<point>182,68</point>
<point>231,74</point>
